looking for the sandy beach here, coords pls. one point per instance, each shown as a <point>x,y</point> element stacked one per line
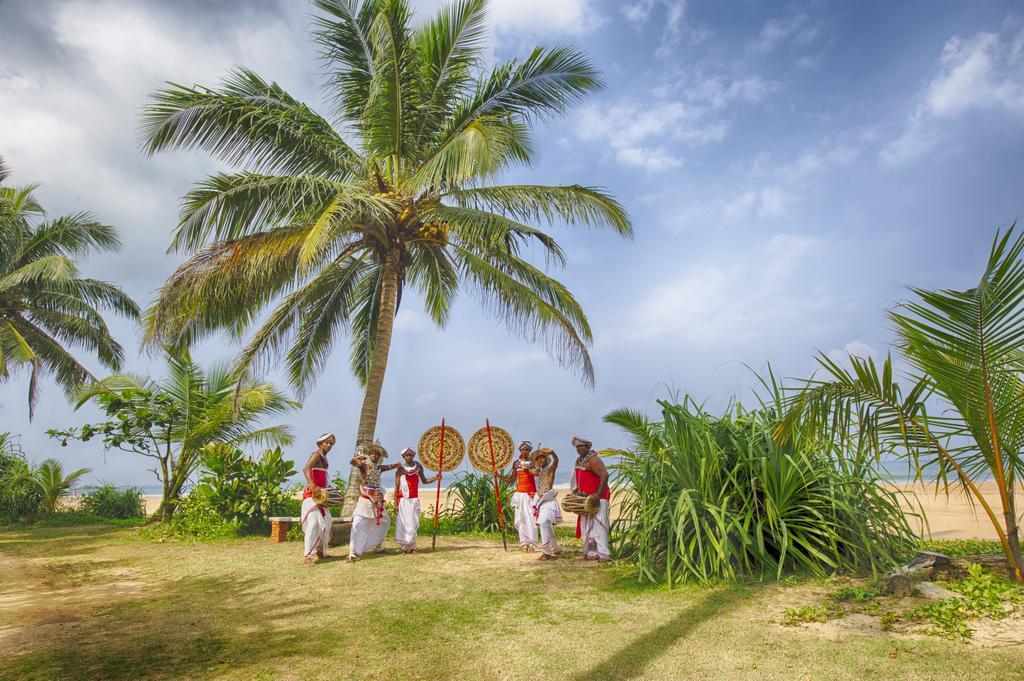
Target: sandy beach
<point>949,517</point>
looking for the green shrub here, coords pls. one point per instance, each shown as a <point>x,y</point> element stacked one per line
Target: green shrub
<point>196,518</point>
<point>721,498</point>
<point>21,497</point>
<point>107,501</point>
<point>239,487</point>
<point>472,506</point>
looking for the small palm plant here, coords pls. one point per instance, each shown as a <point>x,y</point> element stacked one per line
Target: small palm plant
<point>966,350</point>
<point>53,483</point>
<point>337,223</point>
<point>46,308</point>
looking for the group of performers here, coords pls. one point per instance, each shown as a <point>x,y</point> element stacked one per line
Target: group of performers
<point>535,501</point>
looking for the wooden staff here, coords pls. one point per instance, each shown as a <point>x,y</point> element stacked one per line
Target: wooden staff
<point>497,495</point>
<point>437,497</point>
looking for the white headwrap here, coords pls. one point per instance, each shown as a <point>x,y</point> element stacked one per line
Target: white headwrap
<point>525,443</point>
<point>326,436</point>
<point>408,450</point>
<point>581,441</point>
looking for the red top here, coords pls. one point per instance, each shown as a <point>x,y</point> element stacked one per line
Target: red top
<point>524,481</point>
<point>319,476</point>
<point>412,480</point>
<point>589,481</point>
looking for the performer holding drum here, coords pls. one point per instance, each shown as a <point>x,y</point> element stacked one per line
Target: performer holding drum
<point>407,500</point>
<point>370,519</point>
<point>590,478</point>
<point>316,519</point>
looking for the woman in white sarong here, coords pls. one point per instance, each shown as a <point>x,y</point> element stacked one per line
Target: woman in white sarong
<point>546,510</point>
<point>407,500</point>
<point>316,519</point>
<point>522,498</point>
<point>370,519</point>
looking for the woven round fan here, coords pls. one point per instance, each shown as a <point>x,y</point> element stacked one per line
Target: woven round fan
<point>430,448</point>
<point>480,452</point>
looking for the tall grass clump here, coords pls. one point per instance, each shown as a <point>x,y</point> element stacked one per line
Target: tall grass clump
<point>719,497</point>
<point>472,507</point>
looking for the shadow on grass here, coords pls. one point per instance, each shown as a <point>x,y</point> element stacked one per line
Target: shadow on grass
<point>630,661</point>
<point>32,541</point>
<point>187,628</point>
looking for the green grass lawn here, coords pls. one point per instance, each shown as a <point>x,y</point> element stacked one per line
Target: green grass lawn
<point>101,602</point>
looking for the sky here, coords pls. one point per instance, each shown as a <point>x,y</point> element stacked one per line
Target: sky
<point>789,168</point>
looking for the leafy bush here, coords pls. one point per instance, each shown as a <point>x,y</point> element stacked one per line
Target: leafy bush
<point>107,501</point>
<point>472,507</point>
<point>196,517</point>
<point>720,497</point>
<point>238,487</point>
<point>21,497</point>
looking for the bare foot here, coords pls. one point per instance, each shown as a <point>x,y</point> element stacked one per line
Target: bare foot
<point>545,556</point>
<point>351,559</point>
<point>309,561</point>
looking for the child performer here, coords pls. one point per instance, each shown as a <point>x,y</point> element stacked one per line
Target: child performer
<point>408,477</point>
<point>522,499</point>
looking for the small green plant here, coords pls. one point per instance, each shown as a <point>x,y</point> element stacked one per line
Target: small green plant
<point>809,613</point>
<point>854,593</point>
<point>984,595</point>
<point>962,547</point>
<point>107,501</point>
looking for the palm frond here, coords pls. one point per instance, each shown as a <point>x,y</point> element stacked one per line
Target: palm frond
<point>246,121</point>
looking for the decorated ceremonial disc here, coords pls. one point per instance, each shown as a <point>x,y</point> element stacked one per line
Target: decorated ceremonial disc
<point>430,449</point>
<point>480,449</point>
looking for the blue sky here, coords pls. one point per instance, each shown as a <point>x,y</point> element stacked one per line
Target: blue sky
<point>789,168</point>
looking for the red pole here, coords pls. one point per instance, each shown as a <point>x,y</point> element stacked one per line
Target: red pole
<point>437,497</point>
<point>497,495</point>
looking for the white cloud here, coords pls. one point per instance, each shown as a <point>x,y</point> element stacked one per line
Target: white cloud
<point>650,136</point>
<point>544,17</point>
<point>797,28</point>
<point>752,293</point>
<point>673,22</point>
<point>857,348</point>
<point>982,72</point>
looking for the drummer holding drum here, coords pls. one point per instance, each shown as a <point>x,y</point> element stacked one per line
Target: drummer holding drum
<point>316,519</point>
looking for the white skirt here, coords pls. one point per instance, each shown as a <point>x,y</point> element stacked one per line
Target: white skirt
<point>407,522</point>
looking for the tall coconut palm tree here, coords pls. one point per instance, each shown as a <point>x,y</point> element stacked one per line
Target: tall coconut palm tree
<point>53,483</point>
<point>335,222</point>
<point>967,351</point>
<point>46,309</point>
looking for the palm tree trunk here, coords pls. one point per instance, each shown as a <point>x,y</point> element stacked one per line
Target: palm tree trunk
<point>375,377</point>
<point>1013,533</point>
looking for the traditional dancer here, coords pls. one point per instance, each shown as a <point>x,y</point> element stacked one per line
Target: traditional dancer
<point>370,520</point>
<point>590,477</point>
<point>407,500</point>
<point>546,511</point>
<point>316,519</point>
<point>522,499</point>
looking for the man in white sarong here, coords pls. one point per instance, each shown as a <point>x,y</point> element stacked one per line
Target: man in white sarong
<point>370,519</point>
<point>590,477</point>
<point>316,519</point>
<point>522,498</point>
<point>407,500</point>
<point>546,510</point>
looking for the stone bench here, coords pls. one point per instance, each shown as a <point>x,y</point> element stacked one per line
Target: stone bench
<point>279,526</point>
